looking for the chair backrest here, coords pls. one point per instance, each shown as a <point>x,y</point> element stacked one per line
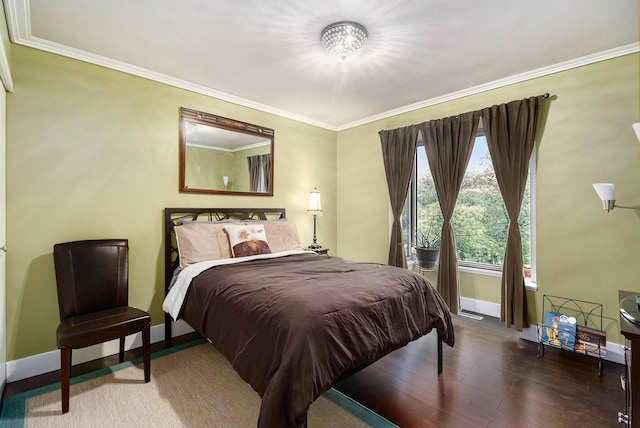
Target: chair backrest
<point>91,275</point>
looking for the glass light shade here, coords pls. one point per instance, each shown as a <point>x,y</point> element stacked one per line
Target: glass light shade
<point>636,128</point>
<point>607,193</point>
<point>344,40</point>
<point>315,208</point>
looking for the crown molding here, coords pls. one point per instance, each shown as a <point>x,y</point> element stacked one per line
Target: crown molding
<point>19,23</point>
<point>518,78</point>
<point>5,71</point>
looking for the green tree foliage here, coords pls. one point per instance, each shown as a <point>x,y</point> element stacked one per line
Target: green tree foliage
<point>480,220</point>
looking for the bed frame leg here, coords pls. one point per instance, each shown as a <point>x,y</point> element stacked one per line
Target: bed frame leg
<point>167,330</point>
<point>439,353</point>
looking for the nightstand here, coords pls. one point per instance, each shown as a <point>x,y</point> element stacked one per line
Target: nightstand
<point>319,250</point>
<point>631,332</point>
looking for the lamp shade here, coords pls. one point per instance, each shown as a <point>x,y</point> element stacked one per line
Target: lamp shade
<point>636,128</point>
<point>315,208</point>
<point>607,193</point>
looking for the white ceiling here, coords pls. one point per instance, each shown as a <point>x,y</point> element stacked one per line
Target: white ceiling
<point>267,54</point>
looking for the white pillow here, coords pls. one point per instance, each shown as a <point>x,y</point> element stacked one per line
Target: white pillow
<point>247,240</point>
<point>282,235</point>
<point>198,242</point>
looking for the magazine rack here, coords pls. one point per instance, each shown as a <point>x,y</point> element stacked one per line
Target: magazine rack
<point>584,334</point>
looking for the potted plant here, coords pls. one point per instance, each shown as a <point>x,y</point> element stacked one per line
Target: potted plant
<point>427,247</point>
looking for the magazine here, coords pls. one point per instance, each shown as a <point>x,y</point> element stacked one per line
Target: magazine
<point>559,330</point>
<point>590,341</point>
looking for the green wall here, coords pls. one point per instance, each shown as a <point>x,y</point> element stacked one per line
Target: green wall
<point>205,168</point>
<point>583,252</point>
<point>93,153</point>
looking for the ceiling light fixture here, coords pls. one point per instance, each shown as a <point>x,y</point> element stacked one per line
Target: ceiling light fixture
<point>344,40</point>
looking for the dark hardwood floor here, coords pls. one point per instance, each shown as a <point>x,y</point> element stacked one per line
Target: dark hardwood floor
<point>491,378</point>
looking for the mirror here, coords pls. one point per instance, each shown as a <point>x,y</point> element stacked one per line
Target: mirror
<point>221,155</point>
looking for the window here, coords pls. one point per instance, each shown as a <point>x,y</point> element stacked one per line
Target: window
<point>480,222</point>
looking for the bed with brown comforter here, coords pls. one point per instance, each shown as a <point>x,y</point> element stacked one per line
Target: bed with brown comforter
<point>295,323</point>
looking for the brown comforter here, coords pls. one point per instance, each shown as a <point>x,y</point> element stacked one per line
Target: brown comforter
<point>291,326</point>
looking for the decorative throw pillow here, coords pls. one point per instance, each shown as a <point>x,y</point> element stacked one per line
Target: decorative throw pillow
<point>247,240</point>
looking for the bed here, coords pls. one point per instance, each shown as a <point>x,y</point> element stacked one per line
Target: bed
<point>291,322</point>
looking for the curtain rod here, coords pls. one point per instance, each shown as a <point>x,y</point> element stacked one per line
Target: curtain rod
<point>545,95</point>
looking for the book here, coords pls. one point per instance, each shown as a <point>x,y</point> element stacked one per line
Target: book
<point>590,341</point>
<point>559,330</point>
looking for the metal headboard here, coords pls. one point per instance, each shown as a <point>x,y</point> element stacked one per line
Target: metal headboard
<point>175,216</point>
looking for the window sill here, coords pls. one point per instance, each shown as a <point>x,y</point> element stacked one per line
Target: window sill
<point>529,284</point>
<point>480,271</point>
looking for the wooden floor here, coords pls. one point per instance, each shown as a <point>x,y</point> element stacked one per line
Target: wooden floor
<point>491,378</point>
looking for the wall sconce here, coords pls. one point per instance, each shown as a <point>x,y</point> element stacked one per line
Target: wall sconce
<point>314,209</point>
<point>225,181</point>
<point>607,191</point>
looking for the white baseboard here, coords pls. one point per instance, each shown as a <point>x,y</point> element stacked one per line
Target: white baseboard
<point>615,351</point>
<point>50,361</point>
<point>480,306</point>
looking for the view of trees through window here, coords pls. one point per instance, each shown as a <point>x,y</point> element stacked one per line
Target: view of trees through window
<point>480,222</point>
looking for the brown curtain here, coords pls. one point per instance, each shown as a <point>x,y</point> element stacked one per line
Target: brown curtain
<point>266,165</point>
<point>398,152</point>
<point>259,166</point>
<point>449,143</point>
<point>511,130</point>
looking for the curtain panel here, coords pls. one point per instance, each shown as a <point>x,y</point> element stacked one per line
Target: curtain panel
<point>511,129</point>
<point>449,143</point>
<point>259,167</point>
<point>398,153</point>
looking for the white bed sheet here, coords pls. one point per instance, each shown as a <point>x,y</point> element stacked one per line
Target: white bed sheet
<point>175,297</point>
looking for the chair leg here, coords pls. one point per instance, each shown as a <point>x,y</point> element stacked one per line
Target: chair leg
<point>65,377</point>
<point>146,352</point>
<point>121,352</point>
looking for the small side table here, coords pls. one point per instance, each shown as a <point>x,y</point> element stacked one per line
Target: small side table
<point>319,250</point>
<point>631,332</point>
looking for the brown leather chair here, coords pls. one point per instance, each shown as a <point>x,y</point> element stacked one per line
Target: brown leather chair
<point>93,282</point>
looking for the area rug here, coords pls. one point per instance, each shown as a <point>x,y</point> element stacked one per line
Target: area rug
<point>192,385</point>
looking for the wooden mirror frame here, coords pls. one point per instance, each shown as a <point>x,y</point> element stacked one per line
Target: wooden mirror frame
<point>189,117</point>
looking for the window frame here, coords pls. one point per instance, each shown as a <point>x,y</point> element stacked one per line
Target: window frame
<point>466,266</point>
